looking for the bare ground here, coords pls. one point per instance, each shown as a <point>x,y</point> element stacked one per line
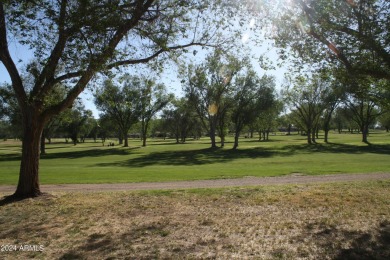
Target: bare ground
<point>348,218</point>
<point>220,183</point>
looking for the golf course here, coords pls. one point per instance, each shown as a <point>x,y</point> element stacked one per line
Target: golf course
<point>336,220</point>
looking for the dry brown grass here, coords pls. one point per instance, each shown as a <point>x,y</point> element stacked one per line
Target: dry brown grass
<point>312,221</point>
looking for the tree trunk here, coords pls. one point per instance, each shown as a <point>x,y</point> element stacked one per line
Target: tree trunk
<point>222,141</point>
<point>28,185</point>
<point>236,140</point>
<point>143,139</point>
<point>125,137</point>
<point>365,134</point>
<point>308,134</point>
<point>212,135</point>
<point>326,133</point>
<point>144,131</point>
<point>43,143</point>
<point>313,136</point>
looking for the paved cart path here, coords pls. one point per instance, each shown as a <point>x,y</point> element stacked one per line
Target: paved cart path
<point>220,183</point>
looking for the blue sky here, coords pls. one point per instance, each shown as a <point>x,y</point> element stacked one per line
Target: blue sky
<point>21,55</point>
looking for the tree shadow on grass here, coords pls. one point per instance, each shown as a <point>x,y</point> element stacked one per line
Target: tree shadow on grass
<point>348,245</point>
<point>120,245</point>
<point>89,153</point>
<point>335,148</point>
<point>75,154</point>
<point>192,157</point>
<point>211,155</point>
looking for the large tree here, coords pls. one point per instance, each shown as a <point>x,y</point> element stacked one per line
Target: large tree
<point>77,125</point>
<point>252,95</point>
<point>179,120</point>
<point>74,40</point>
<point>153,97</point>
<point>306,98</point>
<point>366,102</point>
<point>208,87</point>
<point>121,103</point>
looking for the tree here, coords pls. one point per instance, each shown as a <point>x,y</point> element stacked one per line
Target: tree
<point>179,120</point>
<point>208,87</point>
<point>352,33</point>
<point>252,95</point>
<point>384,120</point>
<point>77,123</point>
<point>306,98</point>
<point>121,103</point>
<point>152,99</point>
<point>266,120</point>
<point>73,41</point>
<point>107,128</point>
<point>364,101</point>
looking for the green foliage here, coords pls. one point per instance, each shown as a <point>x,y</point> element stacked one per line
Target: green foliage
<point>252,96</point>
<point>122,104</point>
<point>209,87</point>
<point>180,121</point>
<point>352,33</point>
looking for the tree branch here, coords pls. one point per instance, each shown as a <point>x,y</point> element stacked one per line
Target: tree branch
<point>9,64</point>
<point>154,55</point>
<point>97,63</point>
<point>47,74</point>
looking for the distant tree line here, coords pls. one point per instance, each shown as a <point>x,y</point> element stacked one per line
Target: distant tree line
<point>223,95</point>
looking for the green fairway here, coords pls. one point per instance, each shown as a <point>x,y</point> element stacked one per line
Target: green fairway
<point>167,161</point>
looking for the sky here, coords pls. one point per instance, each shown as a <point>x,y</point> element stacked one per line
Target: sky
<point>21,55</point>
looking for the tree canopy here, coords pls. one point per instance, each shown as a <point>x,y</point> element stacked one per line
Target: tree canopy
<point>354,33</point>
<point>73,41</point>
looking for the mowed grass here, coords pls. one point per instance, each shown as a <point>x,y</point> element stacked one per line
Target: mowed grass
<point>167,161</point>
<point>315,221</point>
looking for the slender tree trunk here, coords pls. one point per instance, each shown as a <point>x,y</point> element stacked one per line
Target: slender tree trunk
<point>212,133</point>
<point>236,140</point>
<point>126,138</point>
<point>308,134</point>
<point>326,133</point>
<point>43,143</point>
<point>143,139</point>
<point>313,136</point>
<point>28,185</point>
<point>365,134</point>
<point>222,141</point>
<point>144,132</point>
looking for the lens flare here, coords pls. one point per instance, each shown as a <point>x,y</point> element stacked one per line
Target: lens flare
<point>213,109</point>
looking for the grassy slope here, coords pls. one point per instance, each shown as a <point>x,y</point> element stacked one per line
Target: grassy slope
<point>166,161</point>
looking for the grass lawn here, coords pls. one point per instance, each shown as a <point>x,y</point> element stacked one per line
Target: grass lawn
<point>166,161</point>
<point>312,221</point>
